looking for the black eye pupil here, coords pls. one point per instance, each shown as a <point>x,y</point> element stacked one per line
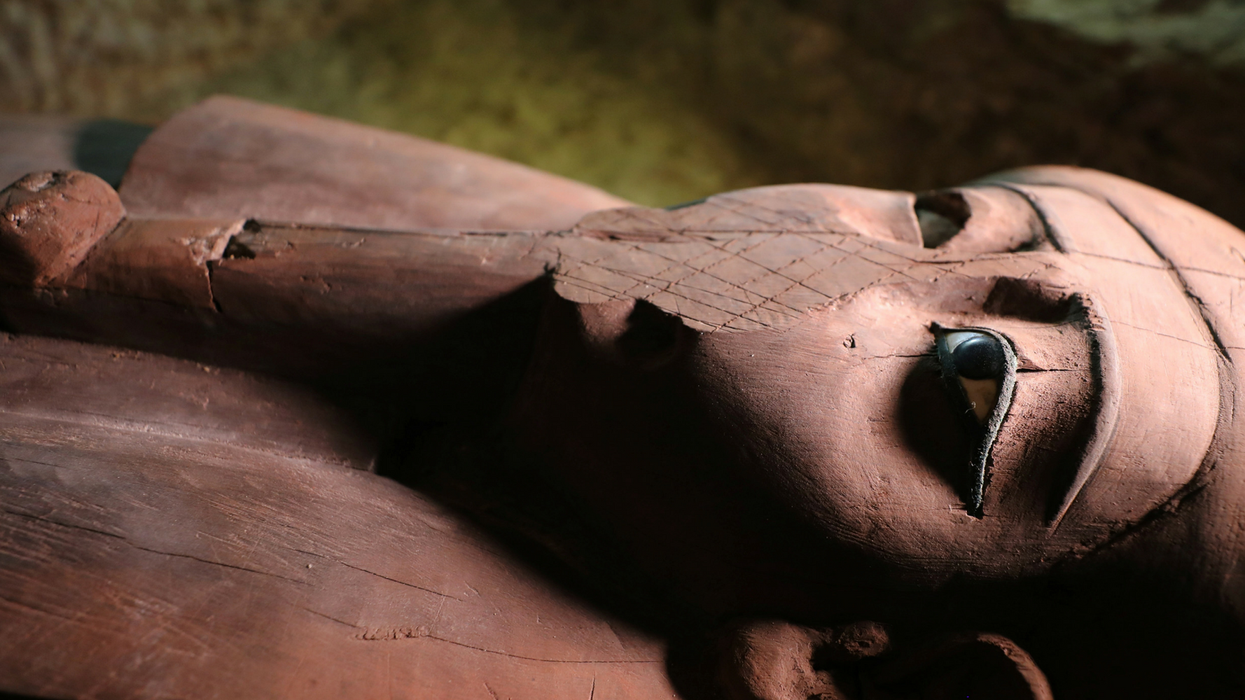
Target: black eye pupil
<point>979,357</point>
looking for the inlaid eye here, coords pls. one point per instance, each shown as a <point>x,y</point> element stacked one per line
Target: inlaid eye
<point>979,368</point>
<point>979,356</point>
<point>980,362</point>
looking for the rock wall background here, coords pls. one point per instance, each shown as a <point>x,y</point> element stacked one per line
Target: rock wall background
<point>663,101</point>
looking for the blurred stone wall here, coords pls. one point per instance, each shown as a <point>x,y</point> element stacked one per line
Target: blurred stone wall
<point>1157,30</point>
<point>667,100</point>
<point>101,57</point>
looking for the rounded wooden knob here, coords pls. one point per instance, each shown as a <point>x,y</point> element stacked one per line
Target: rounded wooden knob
<point>49,221</point>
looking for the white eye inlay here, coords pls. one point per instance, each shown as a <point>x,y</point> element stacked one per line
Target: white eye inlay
<point>979,363</point>
<point>984,364</point>
<point>983,395</point>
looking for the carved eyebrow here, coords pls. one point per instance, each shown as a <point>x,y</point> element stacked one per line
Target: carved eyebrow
<point>983,434</point>
<point>1105,371</point>
<point>1052,234</point>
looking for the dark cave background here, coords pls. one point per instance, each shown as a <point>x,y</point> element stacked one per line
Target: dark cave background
<point>663,101</point>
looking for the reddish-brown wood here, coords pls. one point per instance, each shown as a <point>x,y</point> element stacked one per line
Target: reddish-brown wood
<point>51,221</point>
<point>746,403</point>
<point>228,157</point>
<point>173,529</point>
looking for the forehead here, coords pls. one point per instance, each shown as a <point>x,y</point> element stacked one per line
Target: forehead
<point>1203,253</point>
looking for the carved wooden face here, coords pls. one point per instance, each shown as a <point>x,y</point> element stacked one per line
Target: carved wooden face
<point>809,389</point>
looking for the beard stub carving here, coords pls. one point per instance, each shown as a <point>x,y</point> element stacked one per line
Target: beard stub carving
<point>801,441</point>
<point>777,660</point>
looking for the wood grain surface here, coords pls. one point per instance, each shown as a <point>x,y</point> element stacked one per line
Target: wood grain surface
<point>228,157</point>
<point>734,396</point>
<point>176,530</point>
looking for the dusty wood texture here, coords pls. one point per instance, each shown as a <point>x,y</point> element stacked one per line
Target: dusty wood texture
<point>306,302</point>
<point>1094,442</point>
<point>158,260</point>
<point>781,209</point>
<point>175,530</point>
<point>231,158</point>
<point>746,396</point>
<point>761,258</point>
<point>301,277</point>
<point>1204,252</point>
<point>315,297</point>
<point>96,388</point>
<point>1125,411</point>
<point>51,221</point>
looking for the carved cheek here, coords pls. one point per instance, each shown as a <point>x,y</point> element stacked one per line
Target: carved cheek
<point>825,398</point>
<point>853,428</point>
